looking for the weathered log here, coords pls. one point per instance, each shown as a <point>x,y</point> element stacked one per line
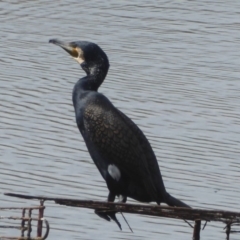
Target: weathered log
<point>229,218</point>
<point>149,209</point>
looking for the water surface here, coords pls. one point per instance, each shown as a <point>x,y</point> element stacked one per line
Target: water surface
<point>174,71</point>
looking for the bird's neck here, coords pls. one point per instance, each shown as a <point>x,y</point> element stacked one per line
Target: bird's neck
<point>93,80</point>
<point>89,83</point>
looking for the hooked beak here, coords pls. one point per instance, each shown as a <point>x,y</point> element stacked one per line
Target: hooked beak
<point>68,47</point>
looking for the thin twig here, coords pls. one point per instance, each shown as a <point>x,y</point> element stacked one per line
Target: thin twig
<point>126,222</point>
<point>205,224</point>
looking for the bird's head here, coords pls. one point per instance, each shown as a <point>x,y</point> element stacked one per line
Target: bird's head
<point>89,55</point>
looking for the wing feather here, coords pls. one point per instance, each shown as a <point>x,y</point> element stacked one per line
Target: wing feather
<point>118,140</point>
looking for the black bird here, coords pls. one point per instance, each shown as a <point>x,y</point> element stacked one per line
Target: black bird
<point>120,150</point>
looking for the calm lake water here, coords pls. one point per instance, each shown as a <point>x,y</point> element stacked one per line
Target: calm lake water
<point>174,71</point>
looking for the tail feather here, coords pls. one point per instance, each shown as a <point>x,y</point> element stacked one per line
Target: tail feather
<point>174,202</point>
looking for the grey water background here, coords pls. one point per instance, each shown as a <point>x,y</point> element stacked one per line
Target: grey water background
<point>174,71</point>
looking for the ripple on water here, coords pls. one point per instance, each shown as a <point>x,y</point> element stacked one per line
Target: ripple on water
<point>174,71</point>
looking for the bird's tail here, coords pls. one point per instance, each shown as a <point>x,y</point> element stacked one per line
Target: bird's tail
<point>174,202</point>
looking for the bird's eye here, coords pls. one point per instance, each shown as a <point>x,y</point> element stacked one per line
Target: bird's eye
<point>75,53</point>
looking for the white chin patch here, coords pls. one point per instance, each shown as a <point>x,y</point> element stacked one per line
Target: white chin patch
<point>79,60</point>
<point>114,172</point>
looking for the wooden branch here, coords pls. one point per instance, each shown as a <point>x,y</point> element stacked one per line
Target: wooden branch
<point>227,217</point>
<point>151,210</point>
<point>155,210</point>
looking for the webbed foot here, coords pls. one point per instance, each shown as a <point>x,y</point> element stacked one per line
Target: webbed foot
<point>108,216</point>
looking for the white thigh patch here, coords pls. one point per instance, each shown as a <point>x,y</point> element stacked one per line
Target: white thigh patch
<point>114,172</point>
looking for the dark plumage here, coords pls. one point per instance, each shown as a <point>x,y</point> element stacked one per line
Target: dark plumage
<point>120,150</point>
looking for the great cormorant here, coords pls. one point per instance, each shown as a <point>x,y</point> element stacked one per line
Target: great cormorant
<point>120,150</point>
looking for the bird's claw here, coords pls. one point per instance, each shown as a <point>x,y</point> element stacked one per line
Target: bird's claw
<point>108,216</point>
